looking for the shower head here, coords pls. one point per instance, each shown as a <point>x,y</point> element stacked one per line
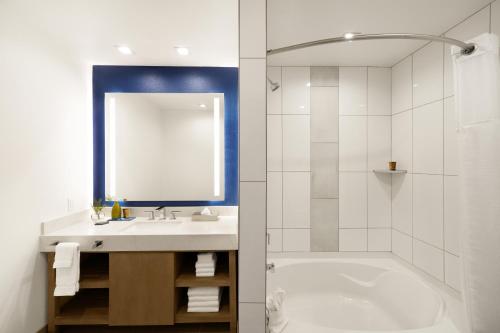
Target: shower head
<point>274,85</point>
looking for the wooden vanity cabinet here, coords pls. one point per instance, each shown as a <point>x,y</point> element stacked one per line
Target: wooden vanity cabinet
<point>141,288</point>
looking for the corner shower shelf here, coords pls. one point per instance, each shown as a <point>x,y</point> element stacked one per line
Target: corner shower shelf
<point>392,172</point>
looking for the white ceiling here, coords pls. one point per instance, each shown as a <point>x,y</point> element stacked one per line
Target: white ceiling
<point>91,28</point>
<point>297,21</point>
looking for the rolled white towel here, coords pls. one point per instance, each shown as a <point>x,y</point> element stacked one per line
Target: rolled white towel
<point>203,291</point>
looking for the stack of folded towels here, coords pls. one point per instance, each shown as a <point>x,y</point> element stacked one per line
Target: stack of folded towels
<point>205,265</point>
<point>204,299</point>
<point>67,265</point>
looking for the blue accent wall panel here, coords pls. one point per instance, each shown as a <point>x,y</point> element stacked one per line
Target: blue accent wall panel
<point>160,79</point>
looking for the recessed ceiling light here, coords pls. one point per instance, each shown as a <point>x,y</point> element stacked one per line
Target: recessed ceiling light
<point>182,50</point>
<point>349,35</point>
<point>124,49</point>
<point>203,105</point>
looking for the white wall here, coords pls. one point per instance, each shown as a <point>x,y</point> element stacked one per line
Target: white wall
<point>424,202</point>
<point>44,148</point>
<point>329,126</point>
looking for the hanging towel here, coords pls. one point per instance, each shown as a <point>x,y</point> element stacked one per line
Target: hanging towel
<point>203,291</point>
<point>67,265</point>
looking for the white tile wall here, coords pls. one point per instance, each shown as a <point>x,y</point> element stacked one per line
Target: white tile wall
<point>452,271</point>
<point>252,162</point>
<point>429,259</point>
<point>428,74</point>
<point>353,239</point>
<point>402,193</point>
<point>428,209</point>
<point>274,97</point>
<point>296,199</point>
<point>379,200</point>
<point>424,204</point>
<point>353,200</point>
<point>428,138</point>
<point>379,239</point>
<point>252,317</point>
<point>353,143</point>
<point>379,91</point>
<point>252,252</point>
<point>402,86</point>
<point>296,81</point>
<point>402,245</point>
<point>274,143</point>
<point>353,90</point>
<point>379,142</point>
<point>274,240</point>
<point>296,143</point>
<point>274,200</point>
<point>402,140</point>
<point>252,120</point>
<point>296,240</point>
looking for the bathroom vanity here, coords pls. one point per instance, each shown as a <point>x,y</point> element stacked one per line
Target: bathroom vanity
<point>136,274</point>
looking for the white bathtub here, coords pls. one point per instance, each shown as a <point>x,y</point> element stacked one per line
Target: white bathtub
<point>358,295</point>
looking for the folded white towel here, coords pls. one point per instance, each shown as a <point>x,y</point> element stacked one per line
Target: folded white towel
<point>206,211</point>
<point>205,274</point>
<point>204,298</point>
<point>200,266</point>
<point>64,255</point>
<point>203,309</point>
<point>67,278</point>
<point>207,257</point>
<point>202,304</point>
<point>203,291</point>
<point>205,270</point>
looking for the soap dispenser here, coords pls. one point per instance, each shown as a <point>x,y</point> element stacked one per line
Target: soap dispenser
<point>116,211</point>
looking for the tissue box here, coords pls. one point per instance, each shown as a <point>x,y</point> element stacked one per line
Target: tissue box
<point>198,217</point>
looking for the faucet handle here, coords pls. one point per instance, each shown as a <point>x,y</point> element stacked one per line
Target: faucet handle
<point>173,213</point>
<point>152,212</point>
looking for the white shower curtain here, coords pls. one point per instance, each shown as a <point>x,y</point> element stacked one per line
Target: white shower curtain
<point>478,114</point>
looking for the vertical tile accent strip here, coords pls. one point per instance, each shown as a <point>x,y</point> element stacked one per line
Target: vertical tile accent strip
<point>253,166</point>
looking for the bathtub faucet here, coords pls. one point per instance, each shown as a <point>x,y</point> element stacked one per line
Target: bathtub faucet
<point>270,267</point>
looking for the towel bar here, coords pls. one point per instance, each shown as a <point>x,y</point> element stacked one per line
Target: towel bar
<point>97,243</point>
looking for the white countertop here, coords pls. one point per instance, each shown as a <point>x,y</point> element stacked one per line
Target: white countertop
<point>145,235</point>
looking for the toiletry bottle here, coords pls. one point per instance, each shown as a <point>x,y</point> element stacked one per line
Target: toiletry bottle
<point>116,211</point>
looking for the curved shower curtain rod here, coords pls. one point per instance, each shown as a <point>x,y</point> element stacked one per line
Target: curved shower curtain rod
<point>467,48</point>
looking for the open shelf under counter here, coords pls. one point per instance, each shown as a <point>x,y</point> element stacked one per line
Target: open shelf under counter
<point>224,315</point>
<point>187,272</point>
<point>94,272</point>
<point>87,307</point>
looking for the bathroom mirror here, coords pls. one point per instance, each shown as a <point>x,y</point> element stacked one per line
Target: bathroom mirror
<point>164,146</point>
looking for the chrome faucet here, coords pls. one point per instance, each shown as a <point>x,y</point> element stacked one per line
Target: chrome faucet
<point>152,216</point>
<point>173,214</point>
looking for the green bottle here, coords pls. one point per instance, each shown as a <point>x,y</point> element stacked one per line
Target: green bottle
<point>116,211</point>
